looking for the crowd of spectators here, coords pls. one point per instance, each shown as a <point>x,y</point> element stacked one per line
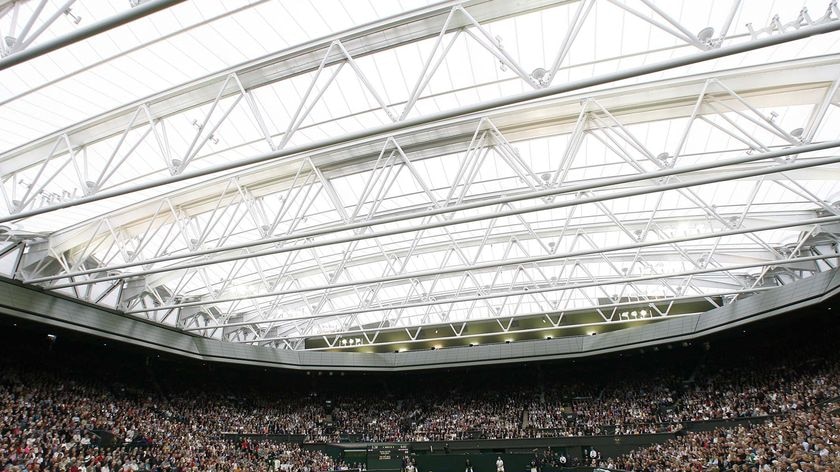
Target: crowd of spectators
<point>82,419</point>
<point>797,441</point>
<point>664,404</point>
<point>51,423</point>
<point>434,416</point>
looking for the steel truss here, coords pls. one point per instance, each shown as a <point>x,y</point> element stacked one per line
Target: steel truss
<point>354,238</point>
<point>57,172</point>
<point>236,204</point>
<point>20,45</point>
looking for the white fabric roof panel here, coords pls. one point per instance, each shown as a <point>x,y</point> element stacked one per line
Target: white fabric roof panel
<point>285,242</point>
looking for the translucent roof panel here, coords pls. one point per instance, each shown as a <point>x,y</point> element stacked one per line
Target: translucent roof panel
<point>271,171</point>
<point>182,43</point>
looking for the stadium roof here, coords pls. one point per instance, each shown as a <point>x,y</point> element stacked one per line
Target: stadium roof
<point>277,172</point>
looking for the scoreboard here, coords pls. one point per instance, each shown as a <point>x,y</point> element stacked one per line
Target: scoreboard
<point>386,456</point>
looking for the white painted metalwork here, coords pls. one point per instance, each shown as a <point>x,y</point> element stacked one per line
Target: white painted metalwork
<point>433,169</point>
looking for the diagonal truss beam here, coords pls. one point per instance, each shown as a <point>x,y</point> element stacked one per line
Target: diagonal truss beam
<point>368,39</point>
<point>531,291</point>
<point>441,116</point>
<point>333,161</point>
<point>568,190</point>
<point>520,261</point>
<point>25,51</point>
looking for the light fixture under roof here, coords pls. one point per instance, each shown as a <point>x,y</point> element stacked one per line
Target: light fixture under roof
<point>539,73</point>
<point>705,35</point>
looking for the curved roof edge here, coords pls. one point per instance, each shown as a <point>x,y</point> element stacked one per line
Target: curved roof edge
<point>51,309</point>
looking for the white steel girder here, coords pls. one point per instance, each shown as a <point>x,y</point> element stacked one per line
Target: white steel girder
<point>35,17</point>
<point>661,171</point>
<point>364,40</point>
<point>15,40</point>
<point>81,189</point>
<point>280,177</point>
<point>330,246</point>
<point>572,255</point>
<point>183,232</point>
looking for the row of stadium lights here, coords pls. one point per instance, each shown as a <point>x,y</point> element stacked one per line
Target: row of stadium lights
<point>472,344</point>
<point>624,315</point>
<point>358,342</point>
